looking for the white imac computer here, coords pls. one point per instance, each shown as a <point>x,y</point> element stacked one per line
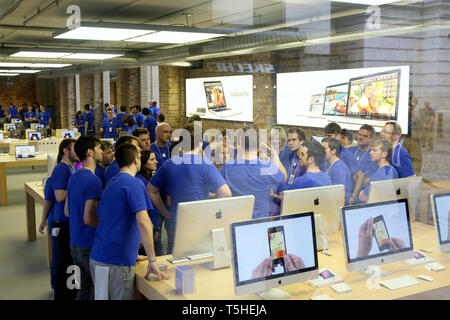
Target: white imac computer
<point>440,204</point>
<point>34,135</point>
<point>394,189</point>
<point>326,201</point>
<point>376,234</point>
<point>25,152</point>
<point>202,229</point>
<point>273,252</point>
<point>70,134</point>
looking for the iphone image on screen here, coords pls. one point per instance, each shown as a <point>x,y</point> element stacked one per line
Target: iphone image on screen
<point>381,233</point>
<point>277,246</point>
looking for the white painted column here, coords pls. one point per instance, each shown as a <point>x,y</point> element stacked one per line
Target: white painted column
<point>154,82</point>
<point>106,88</point>
<point>145,84</point>
<point>77,92</point>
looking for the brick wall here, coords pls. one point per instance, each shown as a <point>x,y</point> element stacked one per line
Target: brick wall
<point>18,90</point>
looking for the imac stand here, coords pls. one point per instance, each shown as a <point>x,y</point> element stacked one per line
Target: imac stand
<point>274,294</point>
<point>375,271</point>
<point>220,253</point>
<point>322,242</point>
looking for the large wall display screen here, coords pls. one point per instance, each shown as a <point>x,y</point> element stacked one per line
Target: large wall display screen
<point>350,97</point>
<point>220,98</point>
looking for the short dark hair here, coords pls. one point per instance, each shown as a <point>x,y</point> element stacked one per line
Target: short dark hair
<point>397,128</point>
<point>87,106</point>
<point>193,118</point>
<point>123,108</point>
<point>83,144</point>
<point>333,144</point>
<point>124,139</point>
<point>129,120</point>
<point>348,134</point>
<point>138,131</point>
<point>299,132</point>
<point>106,105</point>
<point>161,117</point>
<point>317,151</point>
<point>369,128</point>
<point>105,144</point>
<point>64,145</point>
<point>145,111</point>
<point>79,113</point>
<point>138,107</point>
<point>385,146</point>
<point>125,154</point>
<point>332,128</point>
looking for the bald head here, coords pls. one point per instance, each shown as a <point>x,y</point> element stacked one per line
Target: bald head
<point>163,133</point>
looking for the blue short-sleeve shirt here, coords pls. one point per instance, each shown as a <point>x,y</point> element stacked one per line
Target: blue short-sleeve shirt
<point>111,170</point>
<point>162,154</point>
<point>44,117</point>
<point>13,112</point>
<point>154,214</point>
<point>117,236</point>
<point>250,178</point>
<point>60,179</point>
<point>83,185</point>
<point>100,172</point>
<point>340,174</point>
<point>109,126</point>
<point>402,161</point>
<point>311,180</point>
<point>362,161</point>
<point>31,114</point>
<point>150,124</point>
<point>49,195</point>
<point>383,173</point>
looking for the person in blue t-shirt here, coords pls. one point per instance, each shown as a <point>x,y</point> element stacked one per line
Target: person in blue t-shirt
<point>400,158</point>
<point>296,139</point>
<point>108,158</point>
<point>381,152</point>
<point>110,126</point>
<point>44,117</point>
<point>137,116</point>
<point>143,137</point>
<point>148,167</point>
<point>251,175</point>
<point>150,124</point>
<point>113,168</point>
<point>161,146</point>
<point>154,109</point>
<point>337,170</point>
<point>2,112</point>
<point>60,231</point>
<point>12,112</point>
<point>47,221</point>
<point>105,115</point>
<point>285,154</point>
<point>30,116</point>
<point>120,116</point>
<point>80,123</point>
<point>129,123</point>
<point>89,120</point>
<point>124,222</point>
<point>83,193</point>
<point>187,177</point>
<point>364,166</point>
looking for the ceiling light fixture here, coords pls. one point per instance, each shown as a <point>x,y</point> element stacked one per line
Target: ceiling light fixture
<point>40,54</point>
<point>8,74</point>
<point>47,65</point>
<point>93,56</point>
<point>14,65</point>
<point>368,2</point>
<point>20,71</point>
<point>175,37</point>
<point>102,34</point>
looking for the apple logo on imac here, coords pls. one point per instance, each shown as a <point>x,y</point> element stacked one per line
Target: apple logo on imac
<point>219,214</point>
<point>398,191</point>
<point>316,201</point>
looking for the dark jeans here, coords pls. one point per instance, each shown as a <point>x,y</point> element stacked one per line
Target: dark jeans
<point>80,258</point>
<point>62,260</point>
<point>53,262</point>
<point>170,229</point>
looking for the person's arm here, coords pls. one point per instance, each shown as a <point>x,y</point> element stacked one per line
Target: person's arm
<point>86,123</point>
<point>359,181</point>
<point>60,195</point>
<point>223,192</point>
<point>146,231</point>
<point>275,159</point>
<point>66,209</point>
<point>49,122</point>
<point>89,216</point>
<point>45,211</point>
<point>157,202</point>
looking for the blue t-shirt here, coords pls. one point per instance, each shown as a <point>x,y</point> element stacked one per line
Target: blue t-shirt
<point>83,186</point>
<point>117,236</point>
<point>311,180</point>
<point>109,127</point>
<point>286,155</point>
<point>130,130</point>
<point>402,161</point>
<point>294,170</point>
<point>13,112</point>
<point>253,179</point>
<point>111,171</point>
<point>154,111</point>
<point>362,161</point>
<point>2,113</point>
<point>119,117</point>
<point>162,154</point>
<point>150,124</point>
<point>80,122</point>
<point>105,116</point>
<point>100,172</point>
<point>44,117</point>
<point>49,195</point>
<point>340,174</point>
<point>89,118</point>
<point>187,177</point>
<point>383,173</point>
<point>31,114</point>
<point>60,179</point>
<point>138,118</point>
<point>154,214</point>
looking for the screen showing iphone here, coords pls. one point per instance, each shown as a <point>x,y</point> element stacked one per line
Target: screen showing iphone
<point>277,246</point>
<point>381,233</point>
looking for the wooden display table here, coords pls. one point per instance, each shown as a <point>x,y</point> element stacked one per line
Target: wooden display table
<point>34,192</point>
<point>219,285</point>
<point>9,161</point>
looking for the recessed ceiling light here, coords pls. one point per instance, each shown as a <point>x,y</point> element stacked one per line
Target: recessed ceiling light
<point>8,74</point>
<point>367,2</point>
<point>20,71</point>
<point>102,34</point>
<point>93,56</point>
<point>13,64</point>
<point>175,37</point>
<point>40,54</point>
<point>47,65</point>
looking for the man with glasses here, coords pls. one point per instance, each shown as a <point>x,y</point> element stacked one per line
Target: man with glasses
<point>400,158</point>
